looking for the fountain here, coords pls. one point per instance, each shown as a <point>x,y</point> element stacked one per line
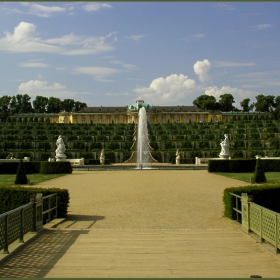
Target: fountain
<point>141,155</point>
<point>143,149</point>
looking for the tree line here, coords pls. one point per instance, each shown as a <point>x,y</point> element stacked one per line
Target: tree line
<point>19,104</point>
<point>263,103</point>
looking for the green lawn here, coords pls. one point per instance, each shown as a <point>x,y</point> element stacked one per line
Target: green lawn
<point>271,177</point>
<point>9,179</point>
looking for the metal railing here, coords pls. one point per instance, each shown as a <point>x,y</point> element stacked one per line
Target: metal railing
<point>260,220</point>
<point>16,223</point>
<point>52,206</point>
<point>237,207</point>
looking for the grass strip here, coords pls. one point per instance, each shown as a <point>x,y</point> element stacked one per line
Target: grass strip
<point>9,179</point>
<point>272,177</point>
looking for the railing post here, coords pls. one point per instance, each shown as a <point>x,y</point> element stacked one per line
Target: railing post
<point>49,204</point>
<point>21,225</point>
<point>276,235</point>
<point>37,211</point>
<point>6,241</point>
<point>245,207</point>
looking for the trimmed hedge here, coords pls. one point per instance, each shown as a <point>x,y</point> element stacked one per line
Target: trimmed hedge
<point>57,167</point>
<point>242,165</point>
<point>16,196</point>
<point>21,177</point>
<point>267,195</point>
<point>11,167</point>
<point>236,166</point>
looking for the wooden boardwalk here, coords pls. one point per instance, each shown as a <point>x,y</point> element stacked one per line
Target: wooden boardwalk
<point>155,239</point>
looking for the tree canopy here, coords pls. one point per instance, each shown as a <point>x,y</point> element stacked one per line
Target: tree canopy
<point>18,104</point>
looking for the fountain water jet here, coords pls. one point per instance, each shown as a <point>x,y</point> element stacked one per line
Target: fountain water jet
<point>143,149</point>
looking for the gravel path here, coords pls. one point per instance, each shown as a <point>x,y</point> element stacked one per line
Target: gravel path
<point>144,199</point>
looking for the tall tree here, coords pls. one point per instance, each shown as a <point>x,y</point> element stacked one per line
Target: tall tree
<point>20,104</point>
<point>264,103</point>
<point>4,107</point>
<point>67,105</point>
<point>54,105</point>
<point>79,106</point>
<point>205,102</point>
<point>276,111</point>
<point>40,104</point>
<point>245,105</point>
<point>226,101</point>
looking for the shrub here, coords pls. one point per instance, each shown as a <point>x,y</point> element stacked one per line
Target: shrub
<point>21,178</point>
<point>58,167</point>
<point>15,196</point>
<point>235,165</point>
<point>266,195</point>
<point>259,175</point>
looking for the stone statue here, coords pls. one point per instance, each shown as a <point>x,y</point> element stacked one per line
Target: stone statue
<point>225,147</point>
<point>102,157</point>
<point>177,157</point>
<point>60,156</point>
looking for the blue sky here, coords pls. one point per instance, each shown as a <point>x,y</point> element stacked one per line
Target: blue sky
<point>114,53</point>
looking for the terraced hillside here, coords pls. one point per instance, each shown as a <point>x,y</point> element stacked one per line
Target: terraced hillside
<point>37,140</point>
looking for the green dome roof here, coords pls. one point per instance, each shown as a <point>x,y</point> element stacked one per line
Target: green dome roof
<point>138,104</point>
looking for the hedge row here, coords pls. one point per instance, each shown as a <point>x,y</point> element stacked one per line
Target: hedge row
<point>33,167</point>
<point>16,196</point>
<point>242,165</point>
<point>267,195</point>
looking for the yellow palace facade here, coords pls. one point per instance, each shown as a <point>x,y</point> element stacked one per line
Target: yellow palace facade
<point>129,114</point>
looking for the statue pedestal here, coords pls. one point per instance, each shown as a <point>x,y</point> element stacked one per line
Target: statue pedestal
<point>224,156</point>
<point>60,157</point>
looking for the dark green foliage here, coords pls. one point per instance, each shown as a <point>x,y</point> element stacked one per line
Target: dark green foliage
<point>267,195</point>
<point>12,167</point>
<point>13,197</point>
<point>21,178</point>
<point>259,175</point>
<point>58,167</point>
<point>238,165</point>
<point>184,160</point>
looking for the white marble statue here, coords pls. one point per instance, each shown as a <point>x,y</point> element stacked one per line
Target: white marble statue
<point>177,157</point>
<point>102,157</point>
<point>225,147</point>
<point>60,149</point>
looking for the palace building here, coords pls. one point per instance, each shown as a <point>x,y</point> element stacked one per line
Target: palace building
<point>129,114</point>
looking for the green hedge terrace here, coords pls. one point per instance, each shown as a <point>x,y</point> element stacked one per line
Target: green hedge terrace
<point>37,140</point>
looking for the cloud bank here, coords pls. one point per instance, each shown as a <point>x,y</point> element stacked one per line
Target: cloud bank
<point>25,39</point>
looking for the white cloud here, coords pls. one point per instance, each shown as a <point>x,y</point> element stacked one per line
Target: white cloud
<point>42,88</point>
<point>167,90</point>
<point>264,26</point>
<point>201,68</point>
<point>259,79</point>
<point>43,11</point>
<point>34,64</point>
<point>225,6</point>
<point>135,38</point>
<point>238,94</point>
<point>195,36</point>
<point>37,85</point>
<point>25,39</point>
<point>232,64</point>
<point>125,65</point>
<point>99,73</point>
<point>95,6</point>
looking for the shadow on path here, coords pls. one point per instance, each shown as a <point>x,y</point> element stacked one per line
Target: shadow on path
<point>38,256</point>
<point>79,221</point>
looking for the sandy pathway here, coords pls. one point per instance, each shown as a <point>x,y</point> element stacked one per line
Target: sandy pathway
<point>145,199</point>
